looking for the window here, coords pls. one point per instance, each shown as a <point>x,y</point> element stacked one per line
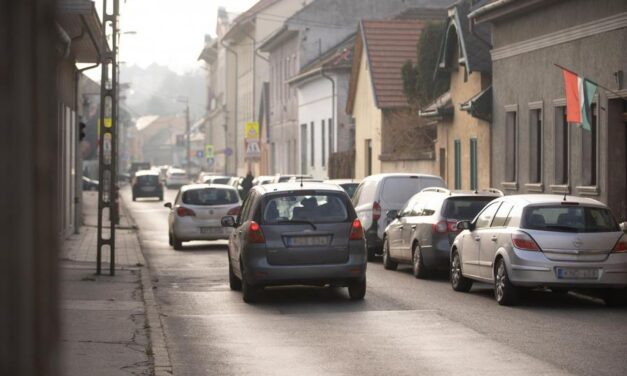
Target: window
<point>589,150</point>
<point>431,206</point>
<point>473,163</point>
<point>245,213</point>
<point>458,164</point>
<point>210,197</point>
<point>464,208</point>
<point>321,208</point>
<point>561,146</point>
<point>313,144</point>
<point>510,146</point>
<point>331,137</point>
<point>535,145</point>
<point>303,149</point>
<point>563,218</point>
<point>485,217</point>
<point>323,144</point>
<point>502,215</point>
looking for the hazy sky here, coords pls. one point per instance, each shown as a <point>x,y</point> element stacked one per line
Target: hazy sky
<point>169,32</point>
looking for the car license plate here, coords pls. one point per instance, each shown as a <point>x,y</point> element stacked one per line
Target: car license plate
<point>577,273</point>
<point>211,230</point>
<point>148,189</point>
<point>308,241</point>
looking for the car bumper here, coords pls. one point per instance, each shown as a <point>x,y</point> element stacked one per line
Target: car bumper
<point>264,274</point>
<point>142,193</point>
<point>438,256</point>
<point>533,269</point>
<point>187,231</point>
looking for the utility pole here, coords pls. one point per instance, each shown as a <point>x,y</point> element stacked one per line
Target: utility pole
<point>107,171</point>
<point>183,99</point>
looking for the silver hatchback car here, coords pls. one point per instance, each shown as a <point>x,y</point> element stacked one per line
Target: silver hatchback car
<point>296,234</point>
<point>542,241</point>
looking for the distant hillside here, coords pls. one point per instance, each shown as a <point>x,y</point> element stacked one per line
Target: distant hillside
<point>154,90</point>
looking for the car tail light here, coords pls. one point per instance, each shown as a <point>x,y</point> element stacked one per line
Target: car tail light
<point>255,235</point>
<point>452,226</point>
<point>524,241</point>
<point>182,211</point>
<point>357,231</point>
<point>376,211</point>
<point>233,211</point>
<point>621,245</point>
<point>440,227</point>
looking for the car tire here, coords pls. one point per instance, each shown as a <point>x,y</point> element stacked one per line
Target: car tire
<point>176,244</point>
<point>235,283</point>
<point>458,281</point>
<point>357,289</point>
<point>250,293</point>
<point>388,263</point>
<point>505,293</point>
<point>615,298</point>
<point>417,263</point>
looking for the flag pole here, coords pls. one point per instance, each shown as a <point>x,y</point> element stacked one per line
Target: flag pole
<point>601,86</point>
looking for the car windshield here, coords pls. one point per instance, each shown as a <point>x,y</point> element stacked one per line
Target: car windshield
<point>350,188</point>
<point>148,180</point>
<point>563,218</point>
<point>318,208</point>
<point>464,208</point>
<point>210,196</point>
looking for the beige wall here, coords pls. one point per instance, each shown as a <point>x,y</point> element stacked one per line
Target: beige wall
<point>419,167</point>
<point>463,127</point>
<point>367,122</point>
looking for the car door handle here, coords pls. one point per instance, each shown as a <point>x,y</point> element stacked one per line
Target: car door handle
<point>494,238</point>
<point>477,238</point>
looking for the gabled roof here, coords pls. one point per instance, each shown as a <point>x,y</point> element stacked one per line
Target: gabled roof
<point>336,58</point>
<point>388,46</point>
<point>249,15</point>
<point>473,48</point>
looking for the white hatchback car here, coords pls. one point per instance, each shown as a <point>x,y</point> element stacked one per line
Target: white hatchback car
<point>175,178</point>
<point>548,241</point>
<point>197,212</point>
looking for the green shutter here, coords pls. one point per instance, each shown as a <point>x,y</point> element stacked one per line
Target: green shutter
<point>473,164</point>
<point>458,164</point>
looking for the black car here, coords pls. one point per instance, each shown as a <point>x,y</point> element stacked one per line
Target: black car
<point>146,183</point>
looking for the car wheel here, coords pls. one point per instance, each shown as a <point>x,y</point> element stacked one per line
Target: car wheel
<point>176,244</point>
<point>418,265</point>
<point>504,292</point>
<point>388,263</point>
<point>458,281</point>
<point>357,289</point>
<point>234,283</point>
<point>615,297</point>
<point>250,293</point>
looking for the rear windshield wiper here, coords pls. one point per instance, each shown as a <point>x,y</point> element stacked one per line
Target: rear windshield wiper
<point>298,222</point>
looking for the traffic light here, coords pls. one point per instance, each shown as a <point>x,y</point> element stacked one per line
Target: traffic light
<point>81,131</point>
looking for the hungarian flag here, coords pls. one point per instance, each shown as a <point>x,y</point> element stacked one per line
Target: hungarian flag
<point>579,94</point>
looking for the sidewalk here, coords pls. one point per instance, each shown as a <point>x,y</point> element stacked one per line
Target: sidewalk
<point>108,322</point>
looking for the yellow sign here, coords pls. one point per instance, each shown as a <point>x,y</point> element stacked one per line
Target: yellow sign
<point>107,124</point>
<point>208,151</point>
<point>252,130</point>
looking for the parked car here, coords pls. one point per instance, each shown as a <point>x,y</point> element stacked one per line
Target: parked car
<point>556,242</point>
<point>197,212</point>
<point>264,179</point>
<point>176,178</point>
<point>422,232</point>
<point>381,193</point>
<point>218,179</point>
<point>349,185</point>
<point>146,183</point>
<point>292,235</point>
<point>286,178</point>
<point>90,184</point>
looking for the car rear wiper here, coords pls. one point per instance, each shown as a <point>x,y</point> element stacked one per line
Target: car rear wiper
<point>298,221</point>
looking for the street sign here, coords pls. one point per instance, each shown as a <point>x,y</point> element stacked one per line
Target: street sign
<point>252,130</point>
<point>200,154</point>
<point>252,149</point>
<point>228,152</point>
<point>209,151</point>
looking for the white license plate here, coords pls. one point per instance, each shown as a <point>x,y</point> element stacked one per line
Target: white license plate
<point>577,273</point>
<point>308,241</point>
<point>211,230</point>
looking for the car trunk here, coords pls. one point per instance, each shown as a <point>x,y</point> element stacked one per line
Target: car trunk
<point>300,244</point>
<point>571,246</point>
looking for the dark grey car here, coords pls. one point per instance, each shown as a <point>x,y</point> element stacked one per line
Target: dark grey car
<point>422,232</point>
<point>288,234</point>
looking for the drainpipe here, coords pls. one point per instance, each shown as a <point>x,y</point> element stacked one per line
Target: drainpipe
<point>235,150</point>
<point>335,127</point>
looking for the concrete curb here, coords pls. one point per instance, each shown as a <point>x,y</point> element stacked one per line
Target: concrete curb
<point>156,335</point>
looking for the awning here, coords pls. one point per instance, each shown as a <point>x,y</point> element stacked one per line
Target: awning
<point>441,107</point>
<point>479,106</point>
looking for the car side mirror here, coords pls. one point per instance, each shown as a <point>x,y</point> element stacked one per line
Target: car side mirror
<point>464,225</point>
<point>623,226</point>
<point>168,205</point>
<point>392,215</point>
<point>228,221</point>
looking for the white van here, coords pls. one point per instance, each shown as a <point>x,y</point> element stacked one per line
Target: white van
<point>378,194</point>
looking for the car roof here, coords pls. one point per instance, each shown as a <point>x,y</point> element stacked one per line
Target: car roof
<point>146,172</point>
<point>399,174</point>
<point>295,186</point>
<point>535,199</point>
<point>494,193</point>
<point>190,187</point>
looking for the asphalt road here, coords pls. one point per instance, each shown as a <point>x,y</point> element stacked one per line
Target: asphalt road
<point>403,327</point>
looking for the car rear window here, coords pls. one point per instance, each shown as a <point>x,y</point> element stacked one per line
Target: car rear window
<point>318,208</point>
<point>562,218</point>
<point>398,190</point>
<point>148,180</point>
<point>464,208</point>
<point>221,181</point>
<point>178,174</point>
<point>210,196</point>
